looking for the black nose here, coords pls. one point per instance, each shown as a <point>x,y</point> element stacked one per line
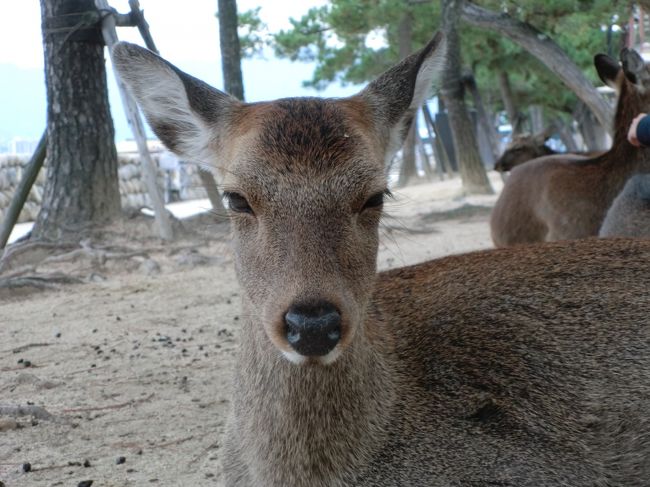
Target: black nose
<point>313,329</point>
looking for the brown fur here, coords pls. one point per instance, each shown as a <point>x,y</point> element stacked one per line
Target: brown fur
<point>525,366</point>
<point>523,148</point>
<point>566,197</point>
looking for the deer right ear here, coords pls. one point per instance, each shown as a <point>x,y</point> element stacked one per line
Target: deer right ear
<point>186,114</point>
<point>397,94</point>
<point>608,69</point>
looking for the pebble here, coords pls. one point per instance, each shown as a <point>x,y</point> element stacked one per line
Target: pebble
<point>86,463</point>
<point>120,460</point>
<point>27,467</point>
<point>85,483</point>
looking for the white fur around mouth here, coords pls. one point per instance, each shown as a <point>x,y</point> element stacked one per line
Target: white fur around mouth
<point>296,358</point>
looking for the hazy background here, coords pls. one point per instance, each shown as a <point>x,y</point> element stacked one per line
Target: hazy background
<point>186,33</point>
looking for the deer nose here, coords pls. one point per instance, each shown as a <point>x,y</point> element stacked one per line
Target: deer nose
<point>314,329</point>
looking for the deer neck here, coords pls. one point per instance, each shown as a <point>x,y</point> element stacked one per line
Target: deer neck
<point>623,161</point>
<point>327,420</point>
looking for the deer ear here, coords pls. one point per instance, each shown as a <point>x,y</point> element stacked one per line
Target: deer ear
<point>608,69</point>
<point>185,113</point>
<point>396,95</point>
<point>634,67</point>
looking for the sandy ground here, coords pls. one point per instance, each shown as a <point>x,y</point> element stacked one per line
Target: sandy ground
<point>135,361</point>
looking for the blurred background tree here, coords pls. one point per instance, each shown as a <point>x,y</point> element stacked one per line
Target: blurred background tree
<point>352,41</point>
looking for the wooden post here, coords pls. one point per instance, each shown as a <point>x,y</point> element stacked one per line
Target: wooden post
<point>432,141</point>
<point>143,26</point>
<point>135,122</point>
<point>211,189</point>
<point>442,158</point>
<point>22,191</point>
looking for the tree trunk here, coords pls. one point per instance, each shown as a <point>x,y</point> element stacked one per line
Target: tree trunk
<point>483,118</point>
<point>230,49</point>
<point>472,171</point>
<point>438,151</point>
<point>408,170</point>
<point>547,51</point>
<point>536,119</point>
<point>82,184</point>
<point>566,135</point>
<point>514,116</point>
<point>593,135</point>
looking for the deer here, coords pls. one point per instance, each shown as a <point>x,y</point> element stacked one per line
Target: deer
<point>629,215</point>
<point>567,197</point>
<point>524,366</point>
<point>523,148</point>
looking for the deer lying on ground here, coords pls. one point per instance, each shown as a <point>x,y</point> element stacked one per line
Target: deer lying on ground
<point>523,148</point>
<point>527,366</point>
<point>558,198</point>
<point>629,215</point>
<point>527,147</point>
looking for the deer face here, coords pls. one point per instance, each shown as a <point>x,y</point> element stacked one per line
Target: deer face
<point>305,188</point>
<point>304,179</point>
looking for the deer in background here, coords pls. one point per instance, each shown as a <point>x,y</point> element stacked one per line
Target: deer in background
<point>525,366</point>
<point>523,148</point>
<point>566,197</point>
<point>629,215</point>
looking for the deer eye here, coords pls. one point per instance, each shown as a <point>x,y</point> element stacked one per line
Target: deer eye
<point>375,201</point>
<point>237,203</point>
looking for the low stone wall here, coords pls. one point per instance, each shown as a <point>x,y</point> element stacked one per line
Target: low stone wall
<point>178,185</point>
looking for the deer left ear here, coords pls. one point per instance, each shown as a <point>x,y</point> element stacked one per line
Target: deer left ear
<point>395,96</point>
<point>608,69</point>
<point>187,115</point>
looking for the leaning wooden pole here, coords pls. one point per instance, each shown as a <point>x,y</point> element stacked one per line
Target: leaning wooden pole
<point>22,191</point>
<point>135,121</point>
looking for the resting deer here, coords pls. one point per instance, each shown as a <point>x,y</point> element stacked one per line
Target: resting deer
<point>557,197</point>
<point>629,215</point>
<point>523,148</point>
<point>527,366</point>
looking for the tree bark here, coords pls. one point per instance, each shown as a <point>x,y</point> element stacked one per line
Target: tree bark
<point>442,165</point>
<point>547,51</point>
<point>230,48</point>
<point>508,99</point>
<point>483,118</point>
<point>566,135</point>
<point>82,183</point>
<point>408,171</point>
<point>592,132</point>
<point>536,119</point>
<point>472,171</point>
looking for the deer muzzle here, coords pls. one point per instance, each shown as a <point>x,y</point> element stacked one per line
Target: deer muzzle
<point>313,329</point>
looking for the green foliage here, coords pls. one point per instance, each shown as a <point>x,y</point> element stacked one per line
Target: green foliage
<point>334,36</point>
<point>252,31</point>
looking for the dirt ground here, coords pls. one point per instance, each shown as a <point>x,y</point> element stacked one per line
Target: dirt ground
<point>125,377</point>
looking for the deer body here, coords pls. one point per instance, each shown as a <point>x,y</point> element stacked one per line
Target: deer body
<point>524,366</point>
<point>567,197</point>
<point>629,215</point>
<point>439,394</point>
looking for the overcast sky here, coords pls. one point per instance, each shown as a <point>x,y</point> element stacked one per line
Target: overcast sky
<point>186,33</point>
